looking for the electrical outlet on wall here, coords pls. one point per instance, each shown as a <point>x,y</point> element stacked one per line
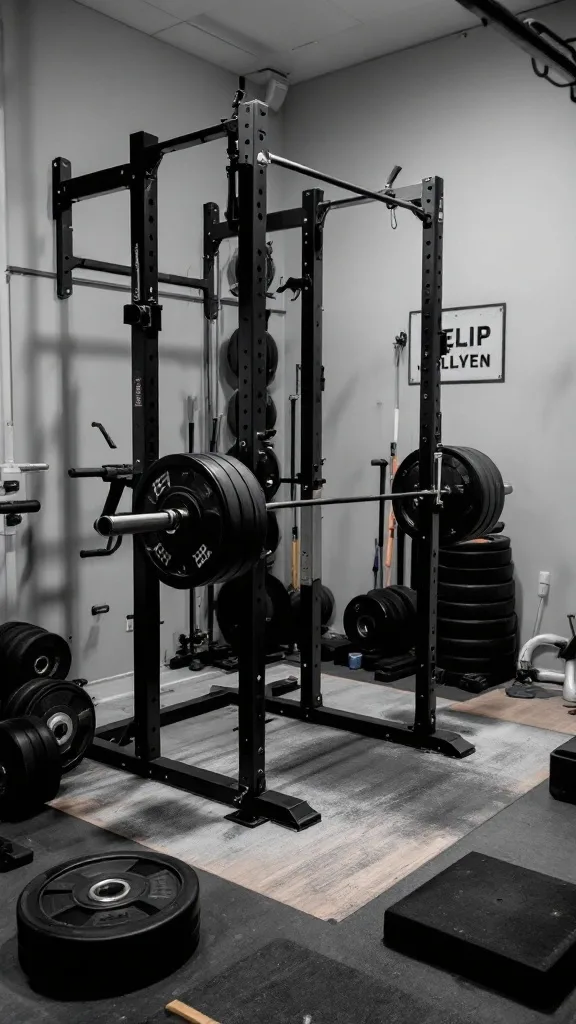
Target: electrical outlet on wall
<point>129,623</point>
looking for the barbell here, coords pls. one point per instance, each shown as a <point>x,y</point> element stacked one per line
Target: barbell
<point>202,518</point>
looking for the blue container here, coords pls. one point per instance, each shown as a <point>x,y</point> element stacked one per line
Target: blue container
<point>354,661</point>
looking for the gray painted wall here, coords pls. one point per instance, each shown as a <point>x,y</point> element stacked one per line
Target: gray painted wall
<point>467,108</point>
<point>77,84</point>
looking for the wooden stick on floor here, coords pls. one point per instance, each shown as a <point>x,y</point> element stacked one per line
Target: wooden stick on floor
<point>187,1013</point>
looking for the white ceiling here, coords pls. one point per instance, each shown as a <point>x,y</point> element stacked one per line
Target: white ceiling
<point>301,38</point>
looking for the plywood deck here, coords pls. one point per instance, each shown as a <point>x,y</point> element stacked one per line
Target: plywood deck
<point>386,809</point>
<point>547,712</point>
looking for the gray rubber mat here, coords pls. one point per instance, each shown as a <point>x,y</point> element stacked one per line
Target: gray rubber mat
<point>285,983</point>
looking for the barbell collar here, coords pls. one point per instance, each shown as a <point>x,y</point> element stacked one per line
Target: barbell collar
<point>152,522</point>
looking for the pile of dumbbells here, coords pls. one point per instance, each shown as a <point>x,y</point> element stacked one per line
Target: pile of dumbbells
<point>47,722</point>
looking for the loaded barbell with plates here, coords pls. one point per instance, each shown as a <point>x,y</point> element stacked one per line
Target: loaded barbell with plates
<point>67,710</point>
<point>202,518</point>
<point>30,768</point>
<point>271,355</point>
<point>28,651</point>
<point>107,924</point>
<point>232,416</point>
<point>476,497</point>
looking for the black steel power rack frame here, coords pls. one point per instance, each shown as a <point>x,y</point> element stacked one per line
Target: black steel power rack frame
<point>134,745</point>
<point>426,200</point>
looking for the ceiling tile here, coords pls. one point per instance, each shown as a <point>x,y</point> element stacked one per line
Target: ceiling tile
<point>136,13</point>
<point>193,40</point>
<point>406,23</point>
<point>276,24</point>
<point>183,10</point>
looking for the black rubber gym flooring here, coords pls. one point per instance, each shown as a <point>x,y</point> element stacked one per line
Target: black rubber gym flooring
<point>337,973</point>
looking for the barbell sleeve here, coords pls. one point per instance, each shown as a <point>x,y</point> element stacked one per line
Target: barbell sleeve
<point>151,522</point>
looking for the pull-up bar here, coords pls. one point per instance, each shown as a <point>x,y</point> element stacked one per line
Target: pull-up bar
<point>492,12</point>
<point>265,158</point>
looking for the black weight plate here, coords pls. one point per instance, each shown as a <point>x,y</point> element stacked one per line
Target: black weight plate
<point>459,516</point>
<point>48,766</point>
<point>107,924</point>
<point>407,595</point>
<point>267,468</point>
<point>483,592</point>
<point>490,647</point>
<point>272,533</point>
<point>195,553</point>
<point>502,665</point>
<point>368,623</point>
<point>403,599</point>
<point>470,629</point>
<point>254,522</point>
<point>271,355</point>
<point>484,487</point>
<point>326,605</point>
<point>65,708</point>
<point>494,542</point>
<point>233,613</point>
<point>484,558</point>
<point>6,627</point>
<point>476,610</point>
<point>499,495</point>
<point>226,531</point>
<point>232,416</point>
<point>405,618</point>
<point>18,796</point>
<point>35,653</point>
<point>239,501</point>
<point>491,481</point>
<point>495,574</point>
<point>376,621</point>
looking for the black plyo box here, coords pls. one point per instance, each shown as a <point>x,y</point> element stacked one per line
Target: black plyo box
<point>563,772</point>
<point>503,926</point>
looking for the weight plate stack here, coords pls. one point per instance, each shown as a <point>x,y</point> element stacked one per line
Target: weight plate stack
<point>382,620</point>
<point>30,769</point>
<point>225,532</point>
<point>233,613</point>
<point>477,625</point>
<point>232,415</point>
<point>267,468</point>
<point>28,652</point>
<point>107,924</point>
<point>65,708</point>
<point>271,355</point>
<point>470,510</point>
<point>326,608</point>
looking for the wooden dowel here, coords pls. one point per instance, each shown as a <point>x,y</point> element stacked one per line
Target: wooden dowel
<point>187,1013</point>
